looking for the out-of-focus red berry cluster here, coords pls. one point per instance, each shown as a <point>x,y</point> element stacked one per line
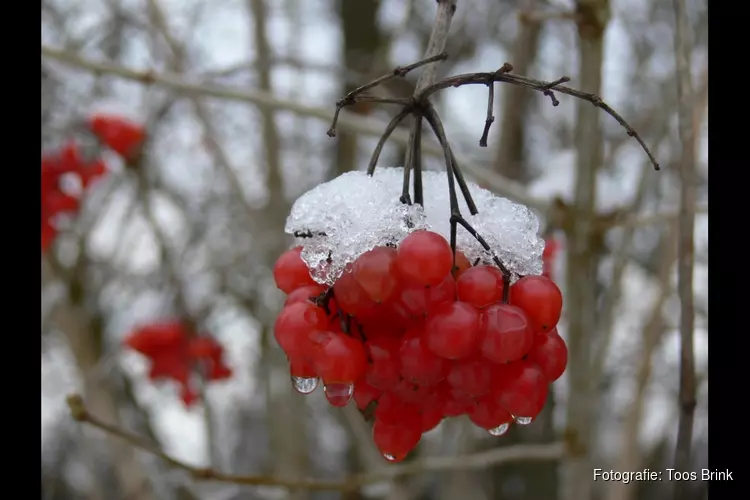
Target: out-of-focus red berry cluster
<point>414,337</point>
<point>552,247</point>
<point>120,135</point>
<point>175,353</point>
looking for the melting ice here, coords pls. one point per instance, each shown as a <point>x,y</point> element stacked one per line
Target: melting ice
<point>354,213</point>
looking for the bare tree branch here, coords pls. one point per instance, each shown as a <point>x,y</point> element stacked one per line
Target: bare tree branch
<point>686,242</point>
<point>553,451</point>
<point>353,123</point>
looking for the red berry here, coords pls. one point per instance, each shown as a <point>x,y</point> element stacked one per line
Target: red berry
<point>550,353</point>
<point>419,364</point>
<point>122,136</point>
<point>305,294</point>
<point>170,365</point>
<point>295,323</point>
<point>488,414</point>
<point>338,358</point>
<point>395,441</point>
<point>452,331</point>
<point>352,298</point>
<point>154,339</point>
<point>394,410</point>
<point>189,397</point>
<point>431,410</point>
<point>364,394</point>
<point>473,376</point>
<point>418,300</point>
<point>301,367</point>
<point>540,298</point>
<point>480,286</point>
<point>218,370</point>
<point>461,264</point>
<point>384,370</point>
<point>376,272</point>
<point>522,388</point>
<point>49,233</point>
<point>291,272</point>
<point>551,249</point>
<point>455,402</point>
<point>411,392</point>
<point>505,333</point>
<point>425,258</point>
<point>57,202</point>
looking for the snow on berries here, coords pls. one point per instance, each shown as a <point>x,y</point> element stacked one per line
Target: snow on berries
<point>380,311</point>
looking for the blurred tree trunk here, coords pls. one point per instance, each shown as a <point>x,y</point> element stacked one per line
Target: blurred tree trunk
<point>362,46</point>
<point>362,49</point>
<point>509,156</point>
<point>630,455</point>
<point>84,334</point>
<point>583,254</point>
<point>539,479</point>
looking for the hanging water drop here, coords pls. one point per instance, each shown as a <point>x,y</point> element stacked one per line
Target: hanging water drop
<point>523,420</point>
<point>338,394</point>
<point>500,429</point>
<point>388,457</point>
<point>305,385</point>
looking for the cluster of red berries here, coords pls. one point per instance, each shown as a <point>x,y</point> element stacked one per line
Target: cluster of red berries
<point>413,337</point>
<point>175,353</point>
<point>118,134</point>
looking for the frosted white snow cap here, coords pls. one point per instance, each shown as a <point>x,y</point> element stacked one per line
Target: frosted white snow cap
<point>358,212</point>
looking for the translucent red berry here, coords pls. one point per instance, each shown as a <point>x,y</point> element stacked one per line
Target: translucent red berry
<point>365,394</point>
<point>338,358</point>
<point>480,286</point>
<point>452,330</point>
<point>384,369</point>
<point>418,301</point>
<point>461,264</point>
<point>352,298</point>
<point>487,413</point>
<point>425,258</point>
<point>395,441</point>
<point>295,323</point>
<point>418,363</point>
<point>290,271</point>
<point>305,294</point>
<point>540,298</point>
<point>550,353</point>
<point>473,376</point>
<point>505,333</point>
<point>376,272</point>
<point>522,388</point>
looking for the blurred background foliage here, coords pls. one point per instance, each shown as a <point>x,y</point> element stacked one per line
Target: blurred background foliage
<point>236,97</point>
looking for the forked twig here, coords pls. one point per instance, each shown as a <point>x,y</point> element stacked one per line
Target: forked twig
<point>356,96</point>
<point>421,107</point>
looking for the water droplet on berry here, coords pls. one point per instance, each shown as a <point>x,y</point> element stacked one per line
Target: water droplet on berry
<point>388,457</point>
<point>305,385</point>
<point>500,429</point>
<point>522,420</point>
<point>339,394</point>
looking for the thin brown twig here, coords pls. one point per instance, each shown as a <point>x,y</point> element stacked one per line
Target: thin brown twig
<point>358,94</point>
<point>353,123</point>
<point>686,243</point>
<point>503,75</point>
<point>517,453</point>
